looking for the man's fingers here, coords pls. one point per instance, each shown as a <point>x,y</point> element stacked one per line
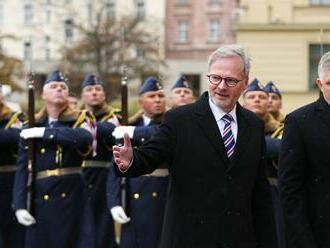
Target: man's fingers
<point>127,141</point>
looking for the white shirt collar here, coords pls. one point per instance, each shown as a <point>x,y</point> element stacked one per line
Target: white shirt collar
<point>219,113</point>
<point>146,120</point>
<point>50,120</point>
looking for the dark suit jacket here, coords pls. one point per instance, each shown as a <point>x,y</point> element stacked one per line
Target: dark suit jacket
<point>304,176</point>
<point>212,201</point>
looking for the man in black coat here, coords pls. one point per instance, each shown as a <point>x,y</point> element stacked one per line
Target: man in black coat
<point>304,169</point>
<point>218,193</point>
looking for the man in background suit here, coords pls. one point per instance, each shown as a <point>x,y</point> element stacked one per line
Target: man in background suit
<point>218,192</point>
<point>304,169</point>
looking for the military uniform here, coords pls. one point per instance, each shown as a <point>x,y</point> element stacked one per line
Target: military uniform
<point>147,194</point>
<point>59,185</point>
<point>11,233</point>
<point>273,129</point>
<point>95,172</point>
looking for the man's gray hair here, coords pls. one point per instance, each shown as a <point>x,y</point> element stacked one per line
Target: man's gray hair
<point>226,51</point>
<point>324,64</point>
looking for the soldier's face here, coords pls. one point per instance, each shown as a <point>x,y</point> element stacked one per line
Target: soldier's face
<point>93,95</point>
<point>152,103</point>
<point>256,101</point>
<point>323,82</point>
<point>55,92</point>
<point>182,96</point>
<point>222,95</point>
<point>274,103</point>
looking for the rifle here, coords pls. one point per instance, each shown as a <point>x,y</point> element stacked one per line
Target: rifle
<point>31,154</point>
<point>124,113</point>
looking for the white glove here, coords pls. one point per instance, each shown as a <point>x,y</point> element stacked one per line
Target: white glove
<point>24,217</point>
<point>34,132</point>
<point>118,133</point>
<point>119,215</point>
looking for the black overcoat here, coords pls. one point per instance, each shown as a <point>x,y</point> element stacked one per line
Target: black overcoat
<point>304,176</point>
<point>212,201</point>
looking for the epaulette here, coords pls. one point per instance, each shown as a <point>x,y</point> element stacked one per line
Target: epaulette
<point>278,133</point>
<point>110,114</point>
<point>83,117</point>
<point>17,116</point>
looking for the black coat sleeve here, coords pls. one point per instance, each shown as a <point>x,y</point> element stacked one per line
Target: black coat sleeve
<point>292,176</point>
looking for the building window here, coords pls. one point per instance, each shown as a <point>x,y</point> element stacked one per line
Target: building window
<point>214,30</point>
<point>181,2</point>
<point>28,13</point>
<point>140,9</point>
<point>182,31</point>
<point>140,53</point>
<point>110,9</point>
<point>315,53</point>
<point>1,14</point>
<point>320,2</point>
<point>27,50</point>
<point>48,16</point>
<point>47,50</point>
<point>214,2</point>
<point>68,30</point>
<point>90,13</point>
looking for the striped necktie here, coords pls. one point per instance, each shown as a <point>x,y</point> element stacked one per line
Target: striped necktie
<point>228,137</point>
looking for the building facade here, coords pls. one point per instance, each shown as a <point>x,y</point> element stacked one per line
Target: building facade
<point>193,29</point>
<point>286,39</point>
<point>41,29</point>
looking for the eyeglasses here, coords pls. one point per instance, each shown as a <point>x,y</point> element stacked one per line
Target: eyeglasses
<point>216,80</point>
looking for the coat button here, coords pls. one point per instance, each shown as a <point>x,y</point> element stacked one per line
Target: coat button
<point>46,197</point>
<point>42,150</point>
<point>142,139</point>
<point>154,194</point>
<point>63,195</point>
<point>90,186</point>
<point>51,136</point>
<point>136,196</point>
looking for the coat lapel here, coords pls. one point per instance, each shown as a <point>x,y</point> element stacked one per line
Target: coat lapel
<point>210,128</point>
<point>243,136</point>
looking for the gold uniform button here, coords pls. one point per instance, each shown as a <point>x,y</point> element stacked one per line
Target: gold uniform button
<point>46,197</point>
<point>51,136</point>
<point>42,150</point>
<point>154,194</point>
<point>63,195</point>
<point>136,196</point>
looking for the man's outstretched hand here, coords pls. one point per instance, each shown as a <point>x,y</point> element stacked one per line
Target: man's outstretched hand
<point>123,154</point>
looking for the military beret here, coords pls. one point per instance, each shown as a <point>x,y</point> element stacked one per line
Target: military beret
<point>182,82</point>
<point>271,88</point>
<point>150,84</point>
<point>254,85</point>
<point>91,79</point>
<point>56,76</point>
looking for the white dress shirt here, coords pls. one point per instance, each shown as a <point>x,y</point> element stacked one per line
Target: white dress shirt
<point>218,113</point>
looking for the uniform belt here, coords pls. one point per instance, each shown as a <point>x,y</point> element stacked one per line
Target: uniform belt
<point>58,172</point>
<point>158,173</point>
<point>272,180</point>
<point>95,164</point>
<point>7,168</point>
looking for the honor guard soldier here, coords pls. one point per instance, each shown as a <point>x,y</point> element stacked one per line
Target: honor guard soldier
<point>181,92</point>
<point>148,192</point>
<point>96,166</point>
<point>11,233</point>
<point>62,138</point>
<point>256,100</point>
<point>274,101</point>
